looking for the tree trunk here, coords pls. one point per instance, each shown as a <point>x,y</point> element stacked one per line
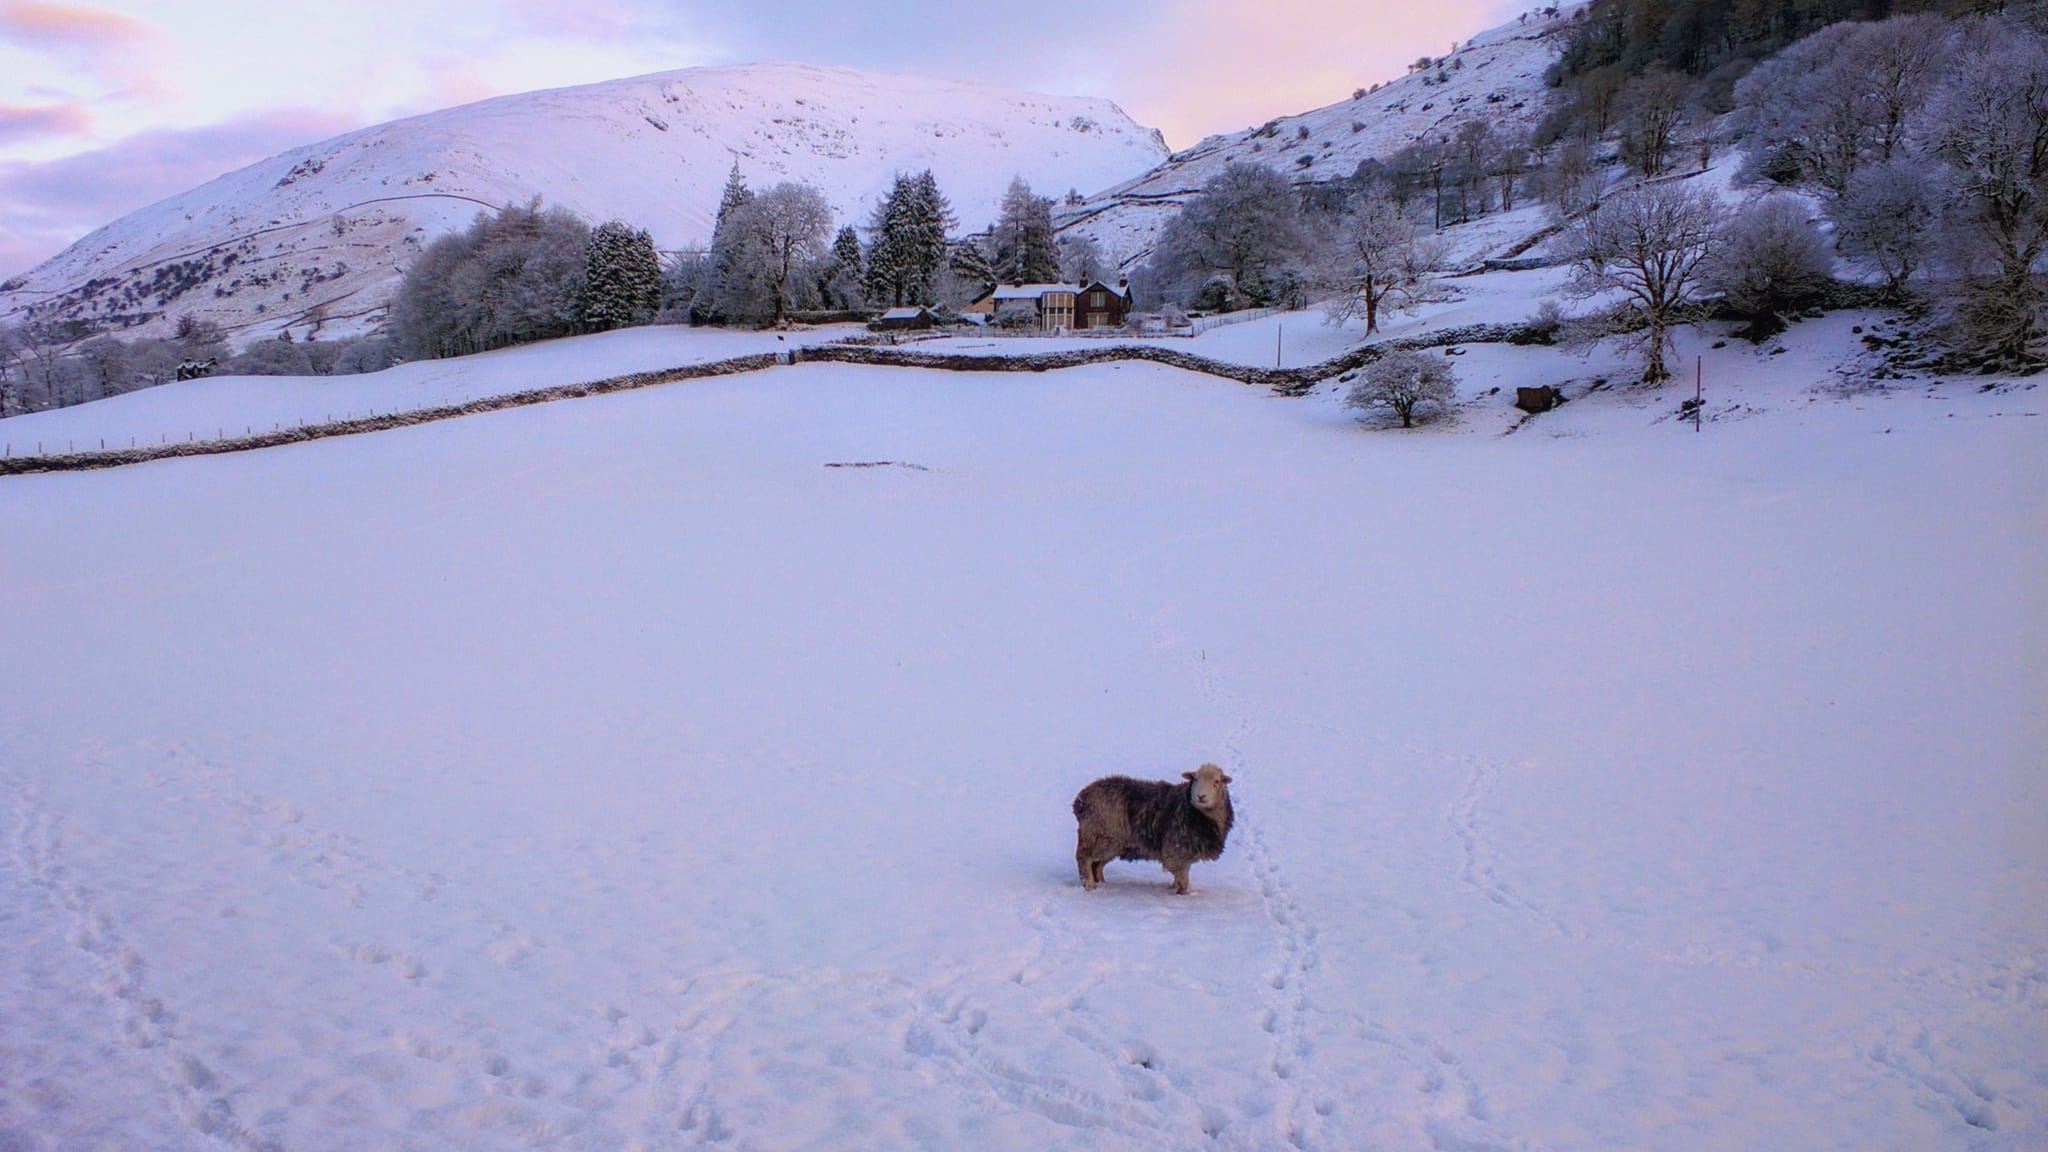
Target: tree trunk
<point>1654,371</point>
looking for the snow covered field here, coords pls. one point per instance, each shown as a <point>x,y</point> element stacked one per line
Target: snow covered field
<point>227,406</point>
<point>612,773</point>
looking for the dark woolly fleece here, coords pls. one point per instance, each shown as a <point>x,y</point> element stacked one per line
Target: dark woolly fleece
<point>1164,823</point>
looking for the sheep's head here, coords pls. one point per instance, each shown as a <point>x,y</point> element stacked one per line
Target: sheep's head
<point>1211,788</point>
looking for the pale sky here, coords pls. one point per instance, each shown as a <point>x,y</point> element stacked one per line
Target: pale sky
<point>109,105</point>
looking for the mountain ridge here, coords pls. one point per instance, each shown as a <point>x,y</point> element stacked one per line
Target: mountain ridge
<point>314,238</point>
<point>1496,75</point>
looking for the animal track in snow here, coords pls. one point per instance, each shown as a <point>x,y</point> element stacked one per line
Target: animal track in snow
<point>144,1023</point>
<point>1479,869</point>
<point>1134,1096</point>
<point>1943,1082</point>
<point>1306,1104</point>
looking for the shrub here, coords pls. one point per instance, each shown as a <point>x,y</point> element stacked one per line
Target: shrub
<point>1404,382</point>
<point>1770,263</point>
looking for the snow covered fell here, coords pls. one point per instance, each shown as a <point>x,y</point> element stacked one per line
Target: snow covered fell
<point>314,239</point>
<point>1496,76</point>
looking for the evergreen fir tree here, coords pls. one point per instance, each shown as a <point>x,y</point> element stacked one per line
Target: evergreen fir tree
<point>623,278</point>
<point>721,270</point>
<point>846,250</point>
<point>923,251</point>
<point>846,271</point>
<point>970,261</point>
<point>736,194</point>
<point>1023,236</point>
<point>910,242</point>
<point>883,281</point>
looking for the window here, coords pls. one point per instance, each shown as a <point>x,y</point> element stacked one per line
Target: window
<point>1058,310</point>
<point>1098,299</point>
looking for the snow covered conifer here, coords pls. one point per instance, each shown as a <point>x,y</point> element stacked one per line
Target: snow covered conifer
<point>1403,382</point>
<point>971,264</point>
<point>924,253</point>
<point>718,269</point>
<point>910,241</point>
<point>623,279</point>
<point>884,279</point>
<point>736,194</point>
<point>844,271</point>
<point>1023,237</point>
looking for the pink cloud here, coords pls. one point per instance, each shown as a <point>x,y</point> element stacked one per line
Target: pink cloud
<point>117,49</point>
<point>1214,67</point>
<point>45,206</point>
<point>32,23</point>
<point>18,123</point>
<point>459,83</point>
<point>593,18</point>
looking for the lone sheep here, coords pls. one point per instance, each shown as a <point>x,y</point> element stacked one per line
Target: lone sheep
<point>1175,824</point>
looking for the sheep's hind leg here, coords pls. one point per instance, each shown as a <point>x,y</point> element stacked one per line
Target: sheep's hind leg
<point>1091,870</point>
<point>1180,880</point>
<point>1099,864</point>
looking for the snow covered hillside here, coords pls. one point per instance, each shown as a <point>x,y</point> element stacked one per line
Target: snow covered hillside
<point>1497,76</point>
<point>314,239</point>
<point>615,773</point>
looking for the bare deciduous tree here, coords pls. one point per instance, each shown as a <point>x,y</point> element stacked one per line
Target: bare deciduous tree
<point>1082,260</point>
<point>1378,262</point>
<point>1842,98</point>
<point>1651,107</point>
<point>1237,240</point>
<point>1649,245</point>
<point>10,349</point>
<point>776,235</point>
<point>509,278</point>
<point>1900,61</point>
<point>1574,179</point>
<point>1886,216</point>
<point>1989,124</point>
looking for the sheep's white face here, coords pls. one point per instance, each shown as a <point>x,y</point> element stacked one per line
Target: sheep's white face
<point>1211,789</point>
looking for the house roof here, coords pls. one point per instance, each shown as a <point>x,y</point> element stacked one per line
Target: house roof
<point>1031,291</point>
<point>904,313</point>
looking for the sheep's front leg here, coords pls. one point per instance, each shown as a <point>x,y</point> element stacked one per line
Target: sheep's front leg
<point>1091,872</point>
<point>1180,880</point>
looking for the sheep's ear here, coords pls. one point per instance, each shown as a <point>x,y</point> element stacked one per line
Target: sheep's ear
<point>1187,775</point>
<point>1226,779</point>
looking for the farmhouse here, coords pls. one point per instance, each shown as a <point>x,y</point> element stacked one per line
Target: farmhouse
<point>904,320</point>
<point>1057,307</point>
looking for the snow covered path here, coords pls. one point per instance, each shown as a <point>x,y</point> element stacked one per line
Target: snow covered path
<point>613,774</point>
